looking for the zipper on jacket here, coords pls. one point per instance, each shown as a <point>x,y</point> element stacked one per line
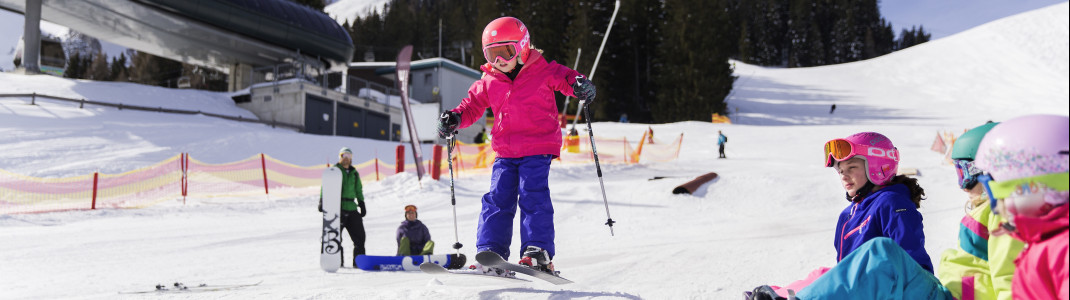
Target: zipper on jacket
<point>843,231</point>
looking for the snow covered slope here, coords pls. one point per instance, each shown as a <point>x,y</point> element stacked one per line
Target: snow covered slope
<point>768,220</point>
<point>1013,66</point>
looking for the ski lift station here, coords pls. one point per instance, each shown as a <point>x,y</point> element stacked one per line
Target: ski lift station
<point>280,57</point>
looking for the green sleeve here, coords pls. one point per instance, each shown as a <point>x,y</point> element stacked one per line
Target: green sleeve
<point>1002,250</point>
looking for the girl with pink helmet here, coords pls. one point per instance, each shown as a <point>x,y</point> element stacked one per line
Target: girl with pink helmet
<point>880,244</point>
<point>882,203</point>
<point>1027,160</point>
<point>518,86</point>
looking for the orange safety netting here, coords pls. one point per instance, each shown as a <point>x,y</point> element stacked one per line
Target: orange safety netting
<point>575,149</point>
<point>137,188</point>
<point>174,178</point>
<point>180,176</point>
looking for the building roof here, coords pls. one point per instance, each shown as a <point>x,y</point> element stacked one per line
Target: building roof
<point>383,68</point>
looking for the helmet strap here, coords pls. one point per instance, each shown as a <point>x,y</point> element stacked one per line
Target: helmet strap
<point>862,192</point>
<point>516,70</point>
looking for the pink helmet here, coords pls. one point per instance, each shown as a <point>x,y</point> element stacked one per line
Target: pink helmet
<point>882,158</point>
<point>1027,157</point>
<point>505,30</point>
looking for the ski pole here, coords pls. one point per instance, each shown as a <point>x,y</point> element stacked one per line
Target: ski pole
<point>453,198</point>
<point>574,66</point>
<point>597,166</point>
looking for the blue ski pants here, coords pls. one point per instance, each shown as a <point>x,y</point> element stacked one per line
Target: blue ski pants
<point>520,181</point>
<point>879,269</point>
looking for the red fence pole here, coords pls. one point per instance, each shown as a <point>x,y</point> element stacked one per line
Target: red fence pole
<point>376,168</point>
<point>95,177</point>
<point>436,159</point>
<point>263,167</point>
<point>185,177</point>
<point>400,167</point>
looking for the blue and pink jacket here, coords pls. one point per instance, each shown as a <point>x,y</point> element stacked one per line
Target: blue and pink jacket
<point>525,112</point>
<point>887,212</point>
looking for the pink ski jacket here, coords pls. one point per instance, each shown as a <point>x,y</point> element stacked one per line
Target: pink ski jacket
<point>1041,269</point>
<point>525,112</point>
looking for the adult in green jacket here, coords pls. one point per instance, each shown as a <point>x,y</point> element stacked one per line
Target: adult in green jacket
<point>352,219</point>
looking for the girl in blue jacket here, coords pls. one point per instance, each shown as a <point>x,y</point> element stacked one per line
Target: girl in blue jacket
<point>882,204</point>
<point>879,234</point>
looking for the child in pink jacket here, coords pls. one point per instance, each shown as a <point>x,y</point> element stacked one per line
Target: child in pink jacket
<point>518,86</point>
<point>1027,160</point>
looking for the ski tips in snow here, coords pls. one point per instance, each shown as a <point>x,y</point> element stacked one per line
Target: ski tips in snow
<point>488,258</point>
<point>431,268</point>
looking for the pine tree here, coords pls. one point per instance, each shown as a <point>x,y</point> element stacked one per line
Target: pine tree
<point>74,66</point>
<point>693,72</point>
<point>118,68</point>
<point>98,68</point>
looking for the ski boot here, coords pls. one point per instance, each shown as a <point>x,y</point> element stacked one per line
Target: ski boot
<point>537,258</point>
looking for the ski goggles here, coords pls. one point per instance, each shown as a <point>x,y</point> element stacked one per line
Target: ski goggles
<point>967,173</point>
<point>410,207</point>
<point>841,150</point>
<point>1002,189</point>
<point>505,51</point>
<point>347,155</point>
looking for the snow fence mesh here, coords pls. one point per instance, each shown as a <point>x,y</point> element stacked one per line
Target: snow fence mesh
<point>181,176</point>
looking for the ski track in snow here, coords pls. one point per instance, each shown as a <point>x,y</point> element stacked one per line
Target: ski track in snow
<point>768,219</point>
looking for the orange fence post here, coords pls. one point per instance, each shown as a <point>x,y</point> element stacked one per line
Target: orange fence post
<point>263,167</point>
<point>400,167</point>
<point>436,158</point>
<point>96,175</point>
<point>376,168</point>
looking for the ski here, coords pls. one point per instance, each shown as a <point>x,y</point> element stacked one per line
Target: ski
<point>431,268</point>
<point>179,287</point>
<point>488,258</point>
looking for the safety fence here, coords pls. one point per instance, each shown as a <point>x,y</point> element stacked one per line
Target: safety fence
<point>182,176</point>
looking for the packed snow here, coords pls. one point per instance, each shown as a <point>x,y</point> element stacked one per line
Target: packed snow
<point>768,219</point>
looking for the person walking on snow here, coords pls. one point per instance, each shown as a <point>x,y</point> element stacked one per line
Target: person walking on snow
<point>518,85</point>
<point>721,140</point>
<point>413,237</point>
<point>352,219</point>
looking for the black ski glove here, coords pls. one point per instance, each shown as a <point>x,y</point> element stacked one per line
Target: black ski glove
<point>363,210</point>
<point>764,293</point>
<point>583,89</point>
<point>447,124</point>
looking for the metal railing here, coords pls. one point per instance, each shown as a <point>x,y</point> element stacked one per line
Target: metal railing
<point>82,102</point>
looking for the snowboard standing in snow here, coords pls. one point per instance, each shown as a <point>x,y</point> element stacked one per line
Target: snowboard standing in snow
<point>408,262</point>
<point>491,259</point>
<point>331,238</point>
